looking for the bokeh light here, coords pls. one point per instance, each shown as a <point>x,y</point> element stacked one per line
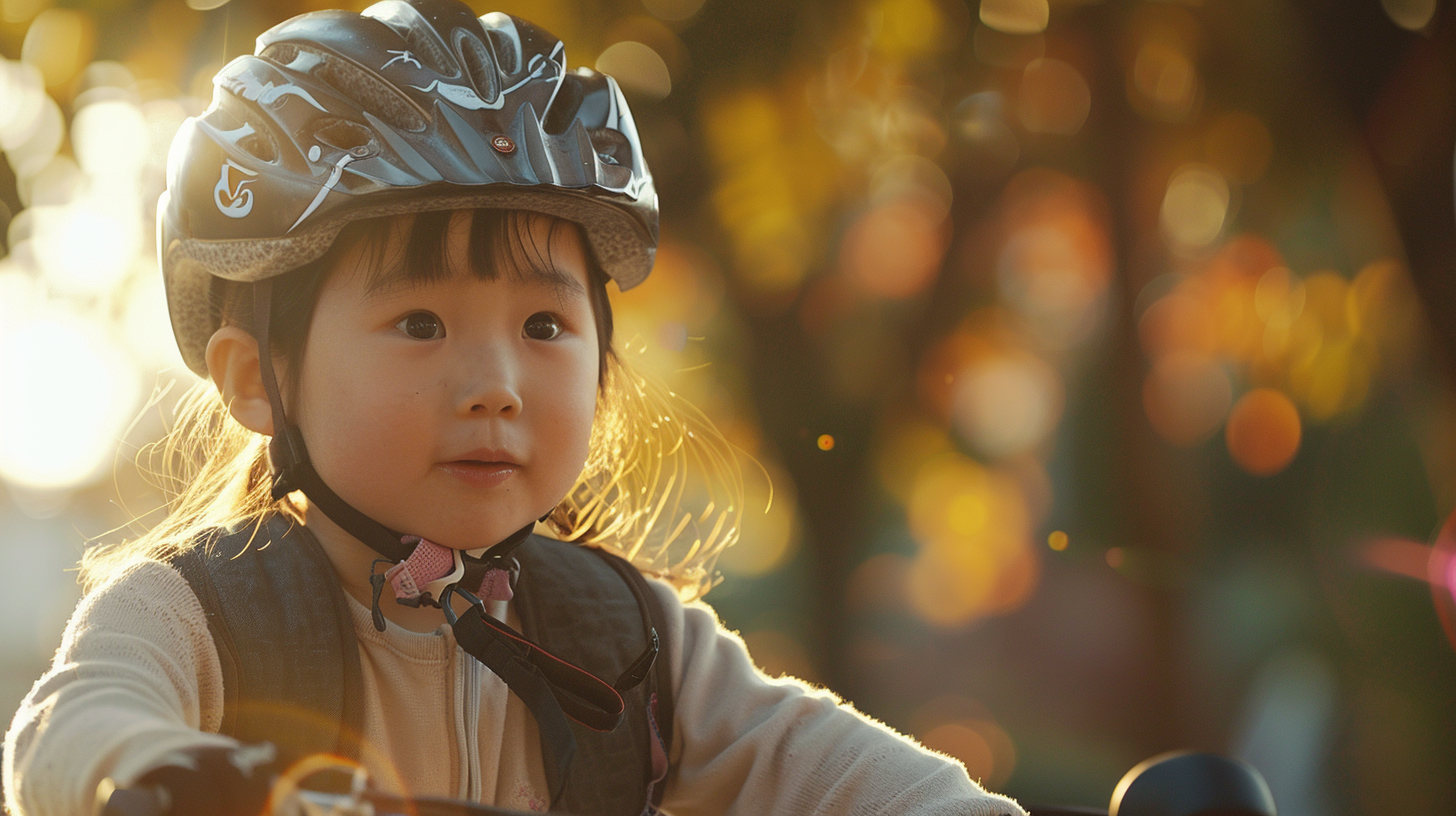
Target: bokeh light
<point>1016,16</point>
<point>773,175</point>
<point>637,68</point>
<point>1164,81</point>
<point>66,393</point>
<point>964,729</point>
<point>1263,431</point>
<point>979,121</point>
<point>1410,14</point>
<point>1186,396</point>
<point>894,250</point>
<point>974,529</point>
<point>1006,404</point>
<point>86,248</point>
<point>1195,207</point>
<point>1054,97</point>
<point>770,528</point>
<point>1055,261</point>
<point>59,43</point>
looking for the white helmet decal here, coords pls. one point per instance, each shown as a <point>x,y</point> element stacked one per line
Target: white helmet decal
<point>232,200</point>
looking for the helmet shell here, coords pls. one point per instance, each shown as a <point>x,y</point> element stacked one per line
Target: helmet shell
<point>411,106</point>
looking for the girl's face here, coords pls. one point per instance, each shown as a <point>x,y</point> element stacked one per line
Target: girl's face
<point>458,410</point>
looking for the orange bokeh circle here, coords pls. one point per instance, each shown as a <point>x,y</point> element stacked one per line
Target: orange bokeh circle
<point>1263,431</point>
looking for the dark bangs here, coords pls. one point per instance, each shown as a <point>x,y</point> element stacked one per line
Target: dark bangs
<point>501,241</point>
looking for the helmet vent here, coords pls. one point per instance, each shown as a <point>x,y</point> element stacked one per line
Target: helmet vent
<point>564,108</point>
<point>479,66</point>
<point>344,135</point>
<point>281,53</point>
<point>259,146</point>
<point>612,146</point>
<point>507,50</point>
<point>427,48</point>
<point>367,91</point>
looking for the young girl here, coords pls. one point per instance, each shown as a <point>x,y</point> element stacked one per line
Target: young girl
<point>387,244</point>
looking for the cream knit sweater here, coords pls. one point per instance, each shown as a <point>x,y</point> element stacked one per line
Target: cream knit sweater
<point>137,677</point>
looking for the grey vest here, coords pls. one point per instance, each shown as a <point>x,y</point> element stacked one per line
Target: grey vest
<point>290,660</point>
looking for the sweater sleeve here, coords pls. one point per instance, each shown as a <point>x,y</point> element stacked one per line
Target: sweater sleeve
<point>747,744</point>
<point>135,678</point>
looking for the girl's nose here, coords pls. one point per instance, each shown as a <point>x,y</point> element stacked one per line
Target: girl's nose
<point>493,400</point>
<point>490,389</point>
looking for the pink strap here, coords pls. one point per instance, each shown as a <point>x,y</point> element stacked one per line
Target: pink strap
<point>431,562</point>
<point>496,586</point>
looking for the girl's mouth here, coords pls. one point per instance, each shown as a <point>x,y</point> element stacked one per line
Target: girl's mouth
<point>480,474</point>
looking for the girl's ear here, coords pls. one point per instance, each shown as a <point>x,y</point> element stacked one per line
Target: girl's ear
<point>232,361</point>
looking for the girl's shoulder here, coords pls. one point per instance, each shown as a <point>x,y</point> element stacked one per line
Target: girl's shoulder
<point>141,596</point>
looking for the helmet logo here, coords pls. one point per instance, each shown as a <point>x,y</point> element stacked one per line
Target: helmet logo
<point>461,96</point>
<point>252,89</point>
<point>232,200</point>
<point>401,56</point>
<point>466,98</point>
<point>503,144</point>
<point>334,177</point>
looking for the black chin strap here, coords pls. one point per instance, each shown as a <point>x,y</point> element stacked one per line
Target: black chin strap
<point>552,688</point>
<point>292,469</point>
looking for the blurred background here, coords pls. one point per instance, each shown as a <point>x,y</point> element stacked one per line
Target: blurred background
<point>1098,353</point>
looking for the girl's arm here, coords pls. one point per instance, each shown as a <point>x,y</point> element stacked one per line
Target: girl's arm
<point>136,678</point>
<point>746,744</point>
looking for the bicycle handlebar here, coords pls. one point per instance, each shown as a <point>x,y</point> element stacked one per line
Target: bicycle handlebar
<point>149,802</point>
<point>1176,784</point>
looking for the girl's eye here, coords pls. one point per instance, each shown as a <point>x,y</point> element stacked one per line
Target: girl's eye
<point>421,326</point>
<point>543,326</point>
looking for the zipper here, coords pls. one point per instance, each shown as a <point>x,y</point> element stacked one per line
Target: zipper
<point>472,728</point>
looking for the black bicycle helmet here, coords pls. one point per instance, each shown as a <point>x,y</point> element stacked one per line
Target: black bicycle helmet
<point>413,105</point>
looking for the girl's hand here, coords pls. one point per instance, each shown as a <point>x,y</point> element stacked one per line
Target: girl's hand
<point>209,782</point>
